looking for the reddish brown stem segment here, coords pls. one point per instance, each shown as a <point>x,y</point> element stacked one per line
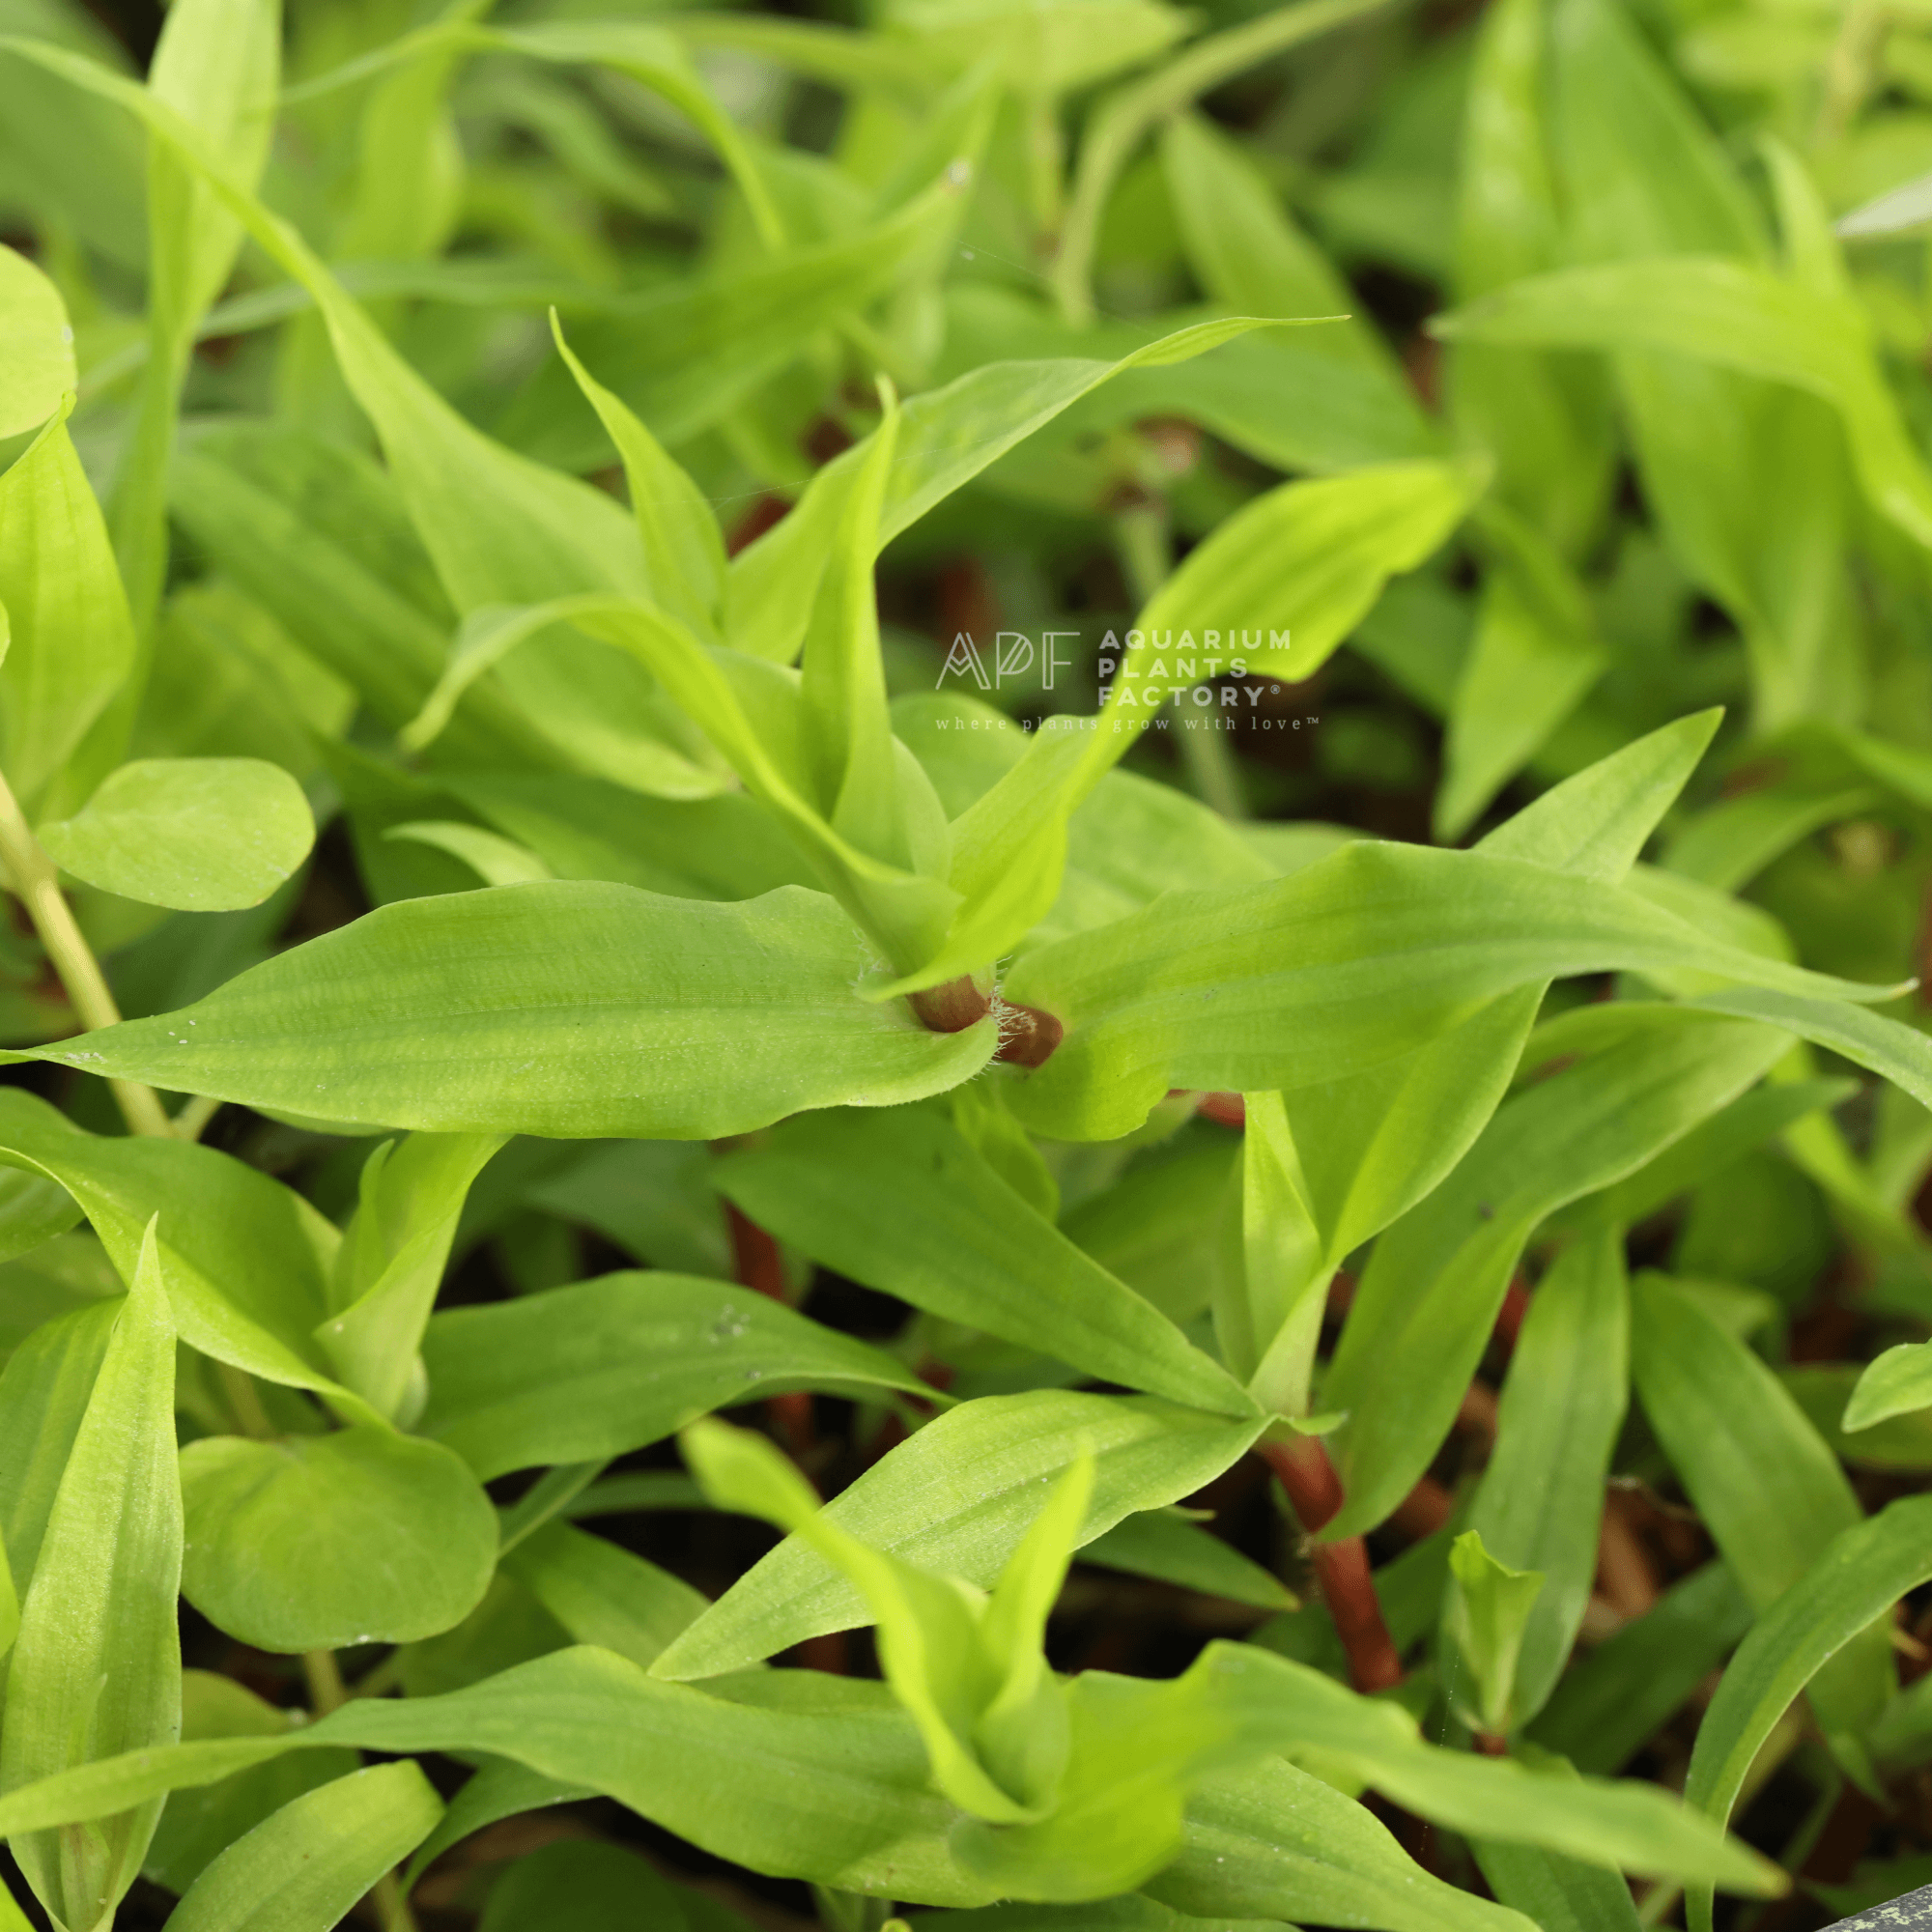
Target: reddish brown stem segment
<point>1027,1036</point>
<point>1340,1568</point>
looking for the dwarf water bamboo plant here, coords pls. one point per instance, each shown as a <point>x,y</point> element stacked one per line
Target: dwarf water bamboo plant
<point>1307,1198</point>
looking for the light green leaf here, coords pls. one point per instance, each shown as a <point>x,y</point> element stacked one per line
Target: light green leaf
<point>902,1202</point>
<point>1540,1504</point>
<point>1763,1480</point>
<point>1345,964</point>
<point>1900,1053</point>
<point>321,1542</point>
<point>601,1594</point>
<point>1739,317</point>
<point>39,345</point>
<point>576,1374</point>
<point>1561,1894</point>
<point>1271,1843</point>
<point>1428,1297</point>
<point>204,834</point>
<point>842,1795</point>
<point>390,1265</point>
<point>1486,1618</point>
<point>935,1631</point>
<point>957,1498</point>
<point>97,1667</point>
<point>1897,1383</point>
<point>712,1020</point>
<point>304,1868</point>
<point>198,1826</point>
<point>72,639</point>
<point>244,1260</point>
<point>1535,656</point>
<point>946,438</point>
<point>1855,1581</point>
<point>216,65</point>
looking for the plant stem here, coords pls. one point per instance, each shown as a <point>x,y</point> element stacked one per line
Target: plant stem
<point>194,1116</point>
<point>327,1691</point>
<point>1047,168</point>
<point>1340,1568</point>
<point>392,1909</point>
<point>246,1399</point>
<point>1146,549</point>
<point>37,885</point>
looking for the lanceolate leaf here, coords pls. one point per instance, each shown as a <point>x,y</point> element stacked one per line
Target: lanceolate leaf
<point>40,368</point>
<point>957,1498</point>
<point>1858,1579</point>
<point>1345,963</point>
<point>72,640</point>
<point>709,1020</point>
<point>303,1869</point>
<point>587,1373</point>
<point>97,1667</point>
<point>844,1799</point>
<point>1430,1295</point>
<point>903,1203</point>
<point>1764,1481</point>
<point>1540,1505</point>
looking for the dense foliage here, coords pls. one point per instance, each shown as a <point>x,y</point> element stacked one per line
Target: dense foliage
<point>1162,778</point>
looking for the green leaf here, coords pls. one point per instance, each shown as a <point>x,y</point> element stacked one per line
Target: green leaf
<point>1166,1546</point>
<point>946,438</point>
<point>1897,1383</point>
<point>1540,1504</point>
<point>1855,1581</point>
<point>385,1022</point>
<point>244,1260</point>
<point>1763,1480</point>
<point>1613,1700</point>
<point>957,1498</point>
<point>1271,1843</point>
<point>321,1542</point>
<point>390,1265</point>
<point>842,1797</point>
<point>1561,1894</point>
<point>604,1595</point>
<point>501,1788</point>
<point>936,1633</point>
<point>1428,1297</point>
<point>216,65</point>
<point>1347,963</point>
<point>1486,1618</point>
<point>684,550</point>
<point>904,1203</point>
<point>581,1373</point>
<point>72,639</point>
<point>1738,316</point>
<point>39,345</point>
<point>97,1667</point>
<point>204,834</point>
<point>588,1886</point>
<point>495,860</point>
<point>1535,656</point>
<point>197,1826</point>
<point>303,1869</point>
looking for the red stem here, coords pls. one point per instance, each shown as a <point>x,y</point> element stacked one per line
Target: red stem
<point>1340,1568</point>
